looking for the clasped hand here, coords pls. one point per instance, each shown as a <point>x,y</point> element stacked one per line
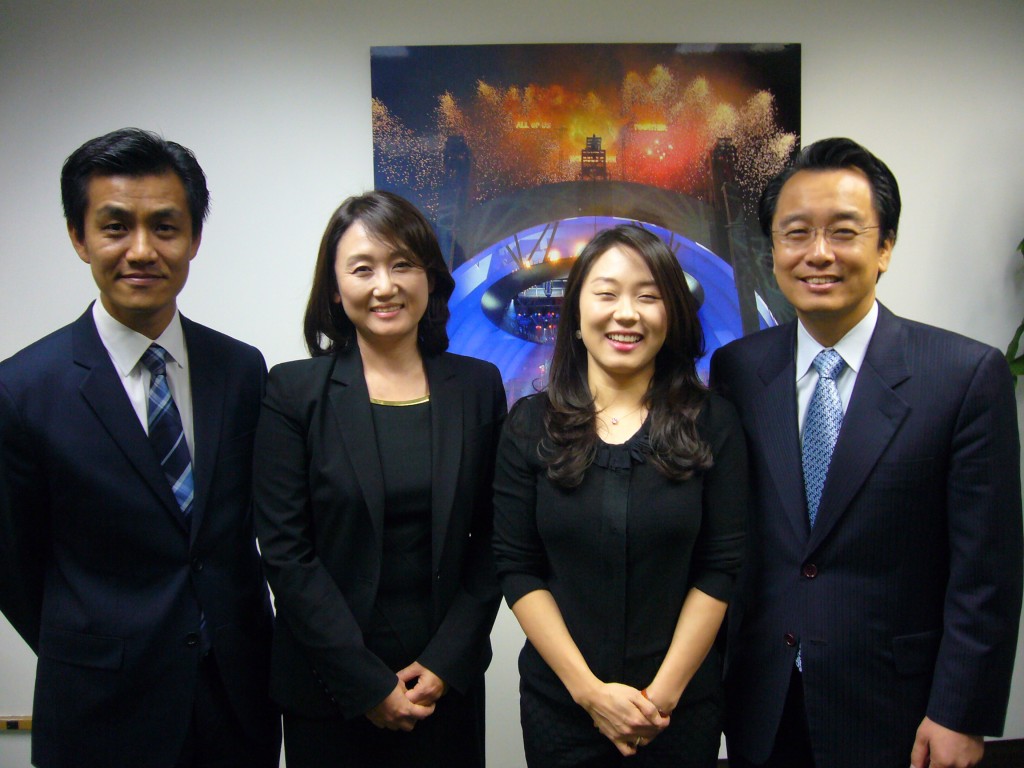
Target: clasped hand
<point>624,716</point>
<point>404,706</point>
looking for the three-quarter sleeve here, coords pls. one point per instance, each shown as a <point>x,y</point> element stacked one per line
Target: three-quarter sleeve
<point>720,546</point>
<point>520,558</point>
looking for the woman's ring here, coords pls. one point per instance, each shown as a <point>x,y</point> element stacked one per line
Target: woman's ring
<point>639,742</point>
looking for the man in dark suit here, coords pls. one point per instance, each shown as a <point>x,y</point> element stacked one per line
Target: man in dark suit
<point>127,556</point>
<point>877,619</point>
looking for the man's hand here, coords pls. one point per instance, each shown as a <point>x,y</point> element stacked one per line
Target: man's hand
<point>397,713</point>
<point>939,747</point>
<point>428,687</point>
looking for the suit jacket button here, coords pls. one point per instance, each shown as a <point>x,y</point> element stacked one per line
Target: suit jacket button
<point>789,639</point>
<point>191,640</point>
<point>197,564</point>
<point>810,570</point>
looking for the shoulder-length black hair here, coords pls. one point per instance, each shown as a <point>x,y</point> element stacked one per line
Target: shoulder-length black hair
<point>675,395</point>
<point>391,219</point>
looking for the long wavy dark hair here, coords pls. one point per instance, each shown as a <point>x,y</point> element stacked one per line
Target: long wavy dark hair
<point>675,395</point>
<point>392,219</point>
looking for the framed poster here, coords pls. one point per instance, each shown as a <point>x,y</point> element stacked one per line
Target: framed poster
<point>519,154</point>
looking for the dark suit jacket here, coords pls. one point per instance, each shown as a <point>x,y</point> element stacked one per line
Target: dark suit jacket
<point>905,597</point>
<point>319,515</point>
<point>97,570</point>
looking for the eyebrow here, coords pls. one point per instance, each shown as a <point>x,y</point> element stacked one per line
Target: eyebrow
<point>850,215</point>
<point>397,253</point>
<point>119,211</point>
<point>645,284</point>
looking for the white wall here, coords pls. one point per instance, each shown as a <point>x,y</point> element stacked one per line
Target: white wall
<point>275,100</point>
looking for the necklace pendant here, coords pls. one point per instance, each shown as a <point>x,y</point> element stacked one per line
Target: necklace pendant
<point>614,421</point>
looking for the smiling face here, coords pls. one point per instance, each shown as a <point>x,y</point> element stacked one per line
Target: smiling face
<point>622,317</point>
<point>832,286</point>
<point>138,241</point>
<point>381,287</point>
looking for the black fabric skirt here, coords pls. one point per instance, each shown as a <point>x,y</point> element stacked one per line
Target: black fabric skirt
<point>562,735</point>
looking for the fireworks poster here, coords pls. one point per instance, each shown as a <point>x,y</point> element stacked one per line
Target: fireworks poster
<point>519,154</point>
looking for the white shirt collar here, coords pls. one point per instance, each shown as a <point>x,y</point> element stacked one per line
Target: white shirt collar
<point>852,347</point>
<point>126,346</point>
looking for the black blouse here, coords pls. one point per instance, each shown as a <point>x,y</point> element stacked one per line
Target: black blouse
<point>620,552</point>
<point>400,628</point>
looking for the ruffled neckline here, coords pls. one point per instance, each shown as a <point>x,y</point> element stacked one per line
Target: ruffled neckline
<point>624,455</point>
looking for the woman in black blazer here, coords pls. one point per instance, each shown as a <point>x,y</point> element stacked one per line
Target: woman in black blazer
<point>620,498</point>
<point>373,475</point>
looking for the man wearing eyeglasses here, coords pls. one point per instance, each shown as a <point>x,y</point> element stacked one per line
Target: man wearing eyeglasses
<point>876,621</point>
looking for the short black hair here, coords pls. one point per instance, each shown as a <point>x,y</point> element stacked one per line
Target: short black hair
<point>833,155</point>
<point>130,152</point>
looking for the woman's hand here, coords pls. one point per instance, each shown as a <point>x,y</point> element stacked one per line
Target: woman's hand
<point>397,712</point>
<point>428,687</point>
<point>624,716</point>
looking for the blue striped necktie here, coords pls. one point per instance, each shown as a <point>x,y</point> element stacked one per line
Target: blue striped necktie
<point>821,427</point>
<point>166,433</point>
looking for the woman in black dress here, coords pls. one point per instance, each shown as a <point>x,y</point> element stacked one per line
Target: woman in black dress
<point>373,472</point>
<point>620,506</point>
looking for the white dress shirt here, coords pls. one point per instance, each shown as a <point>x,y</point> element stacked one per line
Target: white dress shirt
<point>852,348</point>
<point>126,348</point>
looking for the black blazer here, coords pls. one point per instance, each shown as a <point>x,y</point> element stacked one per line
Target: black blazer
<point>906,595</point>
<point>319,494</point>
<point>97,570</point>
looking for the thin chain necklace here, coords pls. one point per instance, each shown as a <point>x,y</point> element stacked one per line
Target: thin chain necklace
<point>616,419</point>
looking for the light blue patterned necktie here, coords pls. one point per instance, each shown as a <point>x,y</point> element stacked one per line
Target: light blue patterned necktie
<point>166,433</point>
<point>821,430</point>
<point>821,427</point>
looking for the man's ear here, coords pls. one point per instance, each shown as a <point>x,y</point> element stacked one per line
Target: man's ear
<point>196,241</point>
<point>78,243</point>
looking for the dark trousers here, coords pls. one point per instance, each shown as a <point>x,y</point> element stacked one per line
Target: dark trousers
<point>792,747</point>
<point>215,738</point>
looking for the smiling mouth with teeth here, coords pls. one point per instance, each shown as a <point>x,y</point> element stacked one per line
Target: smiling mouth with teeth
<point>821,280</point>
<point>627,338</point>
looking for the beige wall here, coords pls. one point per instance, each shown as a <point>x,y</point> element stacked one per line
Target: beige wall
<point>275,99</point>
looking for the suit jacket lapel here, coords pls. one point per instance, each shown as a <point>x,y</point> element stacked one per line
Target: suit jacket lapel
<point>102,390</point>
<point>874,414</point>
<point>208,391</point>
<point>776,424</point>
<point>350,404</point>
<point>446,426</point>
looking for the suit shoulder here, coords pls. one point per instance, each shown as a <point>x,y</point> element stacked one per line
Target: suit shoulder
<point>304,379</point>
<point>732,363</point>
<point>754,343</point>
<point>471,366</point>
<point>473,374</point>
<point>941,352</point>
<point>922,332</point>
<point>40,358</point>
<point>304,368</point>
<point>213,339</point>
